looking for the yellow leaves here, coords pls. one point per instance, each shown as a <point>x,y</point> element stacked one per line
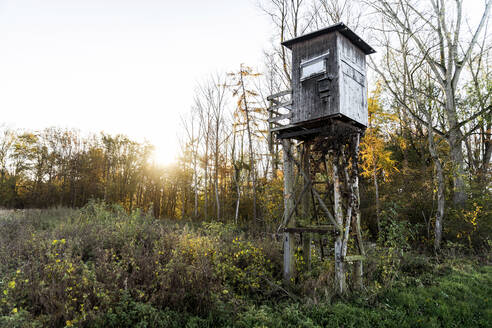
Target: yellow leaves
<point>376,159</point>
<point>471,217</point>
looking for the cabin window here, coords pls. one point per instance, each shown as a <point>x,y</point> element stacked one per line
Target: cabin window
<point>313,67</point>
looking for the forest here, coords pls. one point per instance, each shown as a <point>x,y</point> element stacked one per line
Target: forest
<point>95,232</point>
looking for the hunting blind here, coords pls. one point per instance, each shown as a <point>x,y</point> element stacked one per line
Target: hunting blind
<point>328,79</point>
<point>326,114</point>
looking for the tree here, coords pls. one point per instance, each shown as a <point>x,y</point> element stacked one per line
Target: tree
<point>433,37</point>
<point>245,106</point>
<point>376,159</point>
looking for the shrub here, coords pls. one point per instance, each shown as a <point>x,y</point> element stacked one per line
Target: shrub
<point>129,313</point>
<point>243,268</point>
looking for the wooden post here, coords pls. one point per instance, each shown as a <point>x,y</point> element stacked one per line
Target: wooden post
<point>289,245</point>
<point>306,237</point>
<point>340,283</point>
<point>358,268</point>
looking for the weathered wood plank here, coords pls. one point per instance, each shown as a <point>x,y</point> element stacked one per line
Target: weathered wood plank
<point>279,94</point>
<point>285,105</point>
<point>289,245</point>
<point>279,118</point>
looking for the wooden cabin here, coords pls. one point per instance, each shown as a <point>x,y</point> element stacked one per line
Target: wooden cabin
<point>328,78</point>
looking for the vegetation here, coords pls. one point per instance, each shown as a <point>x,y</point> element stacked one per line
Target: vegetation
<point>101,267</point>
<point>94,233</point>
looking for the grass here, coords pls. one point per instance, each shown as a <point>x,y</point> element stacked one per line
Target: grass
<point>102,267</point>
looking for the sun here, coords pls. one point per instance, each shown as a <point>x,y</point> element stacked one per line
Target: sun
<point>165,154</point>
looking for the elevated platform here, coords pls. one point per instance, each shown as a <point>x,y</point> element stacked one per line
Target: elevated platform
<point>336,126</point>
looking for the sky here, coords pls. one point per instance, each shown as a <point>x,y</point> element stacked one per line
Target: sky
<point>122,66</point>
<point>119,66</point>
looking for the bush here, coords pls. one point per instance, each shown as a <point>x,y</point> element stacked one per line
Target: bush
<point>70,270</point>
<point>132,314</point>
<point>102,267</point>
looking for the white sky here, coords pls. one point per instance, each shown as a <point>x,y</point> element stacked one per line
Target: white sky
<point>122,66</point>
<point>119,66</point>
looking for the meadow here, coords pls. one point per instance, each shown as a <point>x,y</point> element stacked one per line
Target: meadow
<point>100,266</point>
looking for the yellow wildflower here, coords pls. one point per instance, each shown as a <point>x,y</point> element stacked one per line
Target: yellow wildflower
<point>14,310</point>
<point>12,284</point>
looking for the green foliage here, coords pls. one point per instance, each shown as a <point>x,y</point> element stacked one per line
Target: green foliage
<point>461,299</point>
<point>393,241</point>
<point>68,270</point>
<point>469,230</point>
<point>129,313</point>
<point>243,268</point>
<point>395,234</point>
<point>101,267</point>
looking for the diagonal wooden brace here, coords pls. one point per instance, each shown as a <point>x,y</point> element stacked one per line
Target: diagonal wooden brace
<point>316,194</point>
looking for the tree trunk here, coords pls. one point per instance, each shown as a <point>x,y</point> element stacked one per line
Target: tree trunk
<point>250,141</point>
<point>205,209</point>
<point>238,190</point>
<point>440,186</point>
<point>237,175</point>
<point>456,153</point>
<point>217,200</point>
<point>216,162</point>
<point>195,183</point>
<point>376,195</point>
<point>440,206</point>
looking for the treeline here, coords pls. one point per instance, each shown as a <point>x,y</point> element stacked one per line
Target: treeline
<point>58,167</point>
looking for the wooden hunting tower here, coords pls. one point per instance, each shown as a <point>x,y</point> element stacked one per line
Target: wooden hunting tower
<point>325,112</point>
<point>328,77</point>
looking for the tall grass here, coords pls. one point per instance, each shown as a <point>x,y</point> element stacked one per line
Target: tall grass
<point>102,267</point>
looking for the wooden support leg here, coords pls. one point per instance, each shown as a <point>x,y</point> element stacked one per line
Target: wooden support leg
<point>358,269</point>
<point>289,259</point>
<point>340,281</point>
<point>305,204</point>
<point>289,245</point>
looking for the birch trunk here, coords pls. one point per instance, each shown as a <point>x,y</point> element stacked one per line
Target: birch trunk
<point>440,187</point>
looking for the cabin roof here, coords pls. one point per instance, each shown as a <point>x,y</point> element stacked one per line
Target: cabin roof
<point>340,27</point>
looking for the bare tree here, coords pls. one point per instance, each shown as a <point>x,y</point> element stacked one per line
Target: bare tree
<point>422,74</point>
<point>433,33</point>
<point>192,142</point>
